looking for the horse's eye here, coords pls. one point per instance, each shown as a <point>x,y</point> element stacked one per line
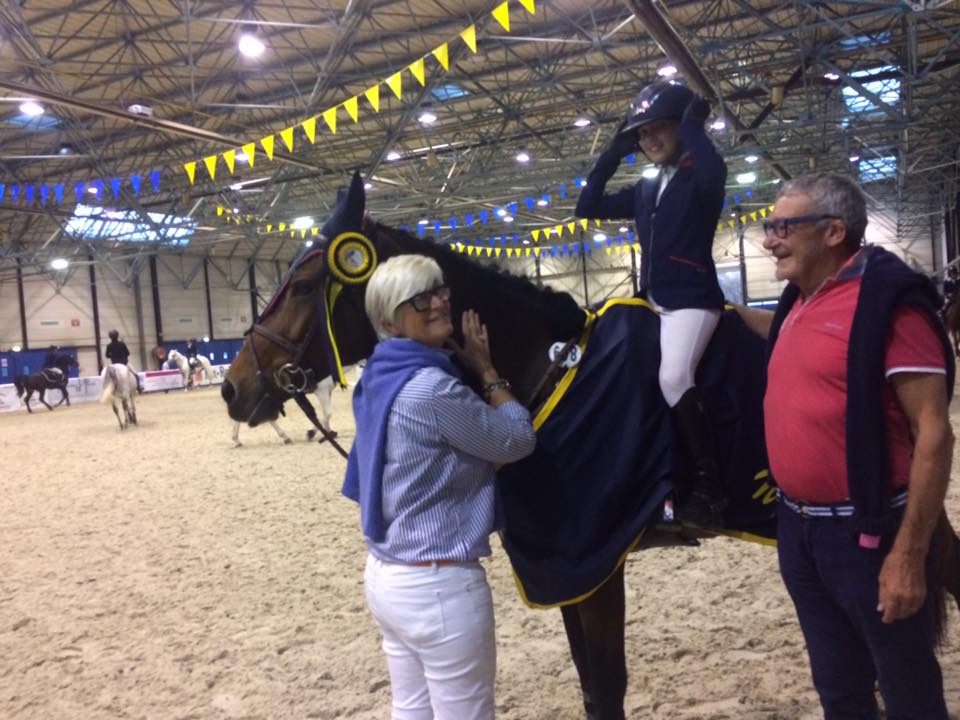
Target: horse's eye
<point>302,287</point>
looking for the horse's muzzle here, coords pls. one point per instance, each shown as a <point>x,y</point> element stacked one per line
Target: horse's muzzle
<point>250,409</point>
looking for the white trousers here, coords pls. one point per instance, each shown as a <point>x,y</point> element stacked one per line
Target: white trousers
<point>438,636</point>
<point>684,336</point>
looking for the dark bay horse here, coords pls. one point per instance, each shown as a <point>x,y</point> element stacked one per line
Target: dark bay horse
<point>316,319</point>
<point>54,378</point>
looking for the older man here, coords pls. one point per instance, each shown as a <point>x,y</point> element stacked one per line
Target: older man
<point>859,440</point>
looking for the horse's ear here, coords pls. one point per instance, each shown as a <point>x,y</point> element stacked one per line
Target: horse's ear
<point>348,214</point>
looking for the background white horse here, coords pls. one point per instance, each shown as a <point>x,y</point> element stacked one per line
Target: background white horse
<point>178,359</point>
<point>323,391</point>
<point>120,381</point>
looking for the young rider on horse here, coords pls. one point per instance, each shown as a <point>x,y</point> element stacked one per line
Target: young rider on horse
<point>117,352</point>
<point>676,217</point>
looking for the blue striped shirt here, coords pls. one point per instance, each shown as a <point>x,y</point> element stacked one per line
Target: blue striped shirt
<point>439,494</point>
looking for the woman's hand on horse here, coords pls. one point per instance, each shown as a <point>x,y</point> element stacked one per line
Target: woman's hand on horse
<point>475,353</point>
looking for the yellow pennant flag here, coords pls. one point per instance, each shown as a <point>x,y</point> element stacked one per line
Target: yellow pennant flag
<point>619,249</point>
<point>287,136</point>
<point>470,37</point>
<point>559,230</point>
<point>489,251</point>
<point>636,246</point>
<point>583,223</point>
<point>528,251</point>
<point>330,116</point>
<point>469,249</point>
<point>395,83</point>
<point>501,14</point>
<point>536,251</point>
<point>509,252</point>
<point>496,252</point>
<point>536,235</point>
<point>282,227</point>
<point>248,217</point>
<point>442,55</point>
<point>571,226</point>
<point>373,97</point>
<point>610,251</point>
<point>597,223</point>
<point>351,107</point>
<point>230,158</point>
<point>303,233</point>
<point>416,69</point>
<point>730,224</point>
<point>753,216</point>
<point>219,210</point>
<point>191,168</point>
<point>743,219</point>
<point>529,5</point>
<point>314,231</point>
<point>270,227</point>
<point>249,150</point>
<point>267,143</point>
<point>546,233</point>
<point>293,233</point>
<point>763,212</point>
<point>310,129</point>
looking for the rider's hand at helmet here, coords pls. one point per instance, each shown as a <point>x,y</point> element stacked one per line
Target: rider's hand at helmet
<point>624,143</point>
<point>698,109</point>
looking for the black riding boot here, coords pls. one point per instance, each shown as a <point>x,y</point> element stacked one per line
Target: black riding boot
<point>704,505</point>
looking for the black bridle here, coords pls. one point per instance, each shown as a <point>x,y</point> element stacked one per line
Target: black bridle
<point>290,380</point>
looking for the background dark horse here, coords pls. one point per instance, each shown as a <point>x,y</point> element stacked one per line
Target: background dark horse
<point>523,321</point>
<point>44,380</point>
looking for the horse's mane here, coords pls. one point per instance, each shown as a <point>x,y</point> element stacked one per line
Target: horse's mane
<point>558,308</point>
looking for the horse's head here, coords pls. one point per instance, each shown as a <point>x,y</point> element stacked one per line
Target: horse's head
<point>315,322</point>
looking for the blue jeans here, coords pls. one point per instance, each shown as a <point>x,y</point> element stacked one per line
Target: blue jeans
<point>834,585</point>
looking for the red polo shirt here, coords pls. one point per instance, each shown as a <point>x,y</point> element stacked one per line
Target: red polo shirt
<point>805,405</point>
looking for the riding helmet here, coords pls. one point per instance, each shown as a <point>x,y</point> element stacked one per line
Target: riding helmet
<point>658,100</point>
<point>113,334</point>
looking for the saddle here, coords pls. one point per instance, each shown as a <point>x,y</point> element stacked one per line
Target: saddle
<point>54,376</point>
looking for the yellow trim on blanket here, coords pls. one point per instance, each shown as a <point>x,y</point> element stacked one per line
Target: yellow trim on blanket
<point>579,598</point>
<point>561,389</point>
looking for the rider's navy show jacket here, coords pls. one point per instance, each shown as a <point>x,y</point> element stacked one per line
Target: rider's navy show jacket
<point>676,235</point>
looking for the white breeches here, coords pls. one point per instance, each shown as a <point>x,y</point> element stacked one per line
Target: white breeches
<point>684,335</point>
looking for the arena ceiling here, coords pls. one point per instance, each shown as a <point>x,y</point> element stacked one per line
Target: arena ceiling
<point>799,84</point>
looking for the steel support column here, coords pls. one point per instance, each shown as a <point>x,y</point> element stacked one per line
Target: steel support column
<point>96,311</point>
<point>25,342</point>
<point>252,277</point>
<point>206,290</point>
<point>155,290</point>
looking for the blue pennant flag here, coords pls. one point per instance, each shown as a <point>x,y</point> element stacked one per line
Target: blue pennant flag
<point>736,199</point>
<point>30,190</point>
<point>512,207</point>
<point>3,189</point>
<point>546,199</point>
<point>14,193</point>
<point>516,238</point>
<point>78,189</point>
<point>553,251</point>
<point>115,186</point>
<point>437,226</point>
<point>491,240</point>
<point>563,192</point>
<point>484,214</point>
<point>58,192</point>
<point>135,181</point>
<point>631,159</point>
<point>421,229</point>
<point>529,202</point>
<point>98,186</point>
<point>453,224</point>
<point>44,194</point>
<point>155,180</point>
<point>468,219</point>
<point>749,193</point>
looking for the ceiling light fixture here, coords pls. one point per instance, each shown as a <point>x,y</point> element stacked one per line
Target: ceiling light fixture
<point>543,202</point>
<point>581,122</point>
<point>668,70</point>
<point>427,118</point>
<point>718,124</point>
<point>747,178</point>
<point>59,263</point>
<point>623,229</point>
<point>831,76</point>
<point>751,159</point>
<point>854,158</point>
<point>393,155</point>
<point>368,186</point>
<point>599,237</point>
<point>250,45</point>
<point>31,108</point>
<point>508,218</point>
<point>302,223</point>
<point>523,156</point>
<point>141,109</point>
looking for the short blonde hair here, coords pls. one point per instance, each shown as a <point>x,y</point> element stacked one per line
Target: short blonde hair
<point>397,279</point>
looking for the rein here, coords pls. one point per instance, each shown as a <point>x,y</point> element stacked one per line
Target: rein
<point>533,402</point>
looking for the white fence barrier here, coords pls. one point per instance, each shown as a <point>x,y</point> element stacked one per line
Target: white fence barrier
<point>87,389</point>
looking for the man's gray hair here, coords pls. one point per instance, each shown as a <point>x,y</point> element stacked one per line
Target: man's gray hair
<point>833,194</point>
<point>397,279</point>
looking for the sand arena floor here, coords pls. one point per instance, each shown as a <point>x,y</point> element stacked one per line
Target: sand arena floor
<point>160,573</point>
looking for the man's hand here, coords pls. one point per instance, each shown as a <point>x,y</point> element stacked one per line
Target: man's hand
<point>903,586</point>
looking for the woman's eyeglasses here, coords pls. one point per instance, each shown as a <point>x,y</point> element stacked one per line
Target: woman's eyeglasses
<point>782,228</point>
<point>422,300</point>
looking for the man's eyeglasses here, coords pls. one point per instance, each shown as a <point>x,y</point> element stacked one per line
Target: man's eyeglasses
<point>422,300</point>
<point>782,228</point>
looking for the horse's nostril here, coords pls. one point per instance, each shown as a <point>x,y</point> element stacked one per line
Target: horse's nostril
<point>227,391</point>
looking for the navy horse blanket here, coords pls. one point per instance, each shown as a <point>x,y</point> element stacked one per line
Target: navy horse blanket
<point>607,454</point>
